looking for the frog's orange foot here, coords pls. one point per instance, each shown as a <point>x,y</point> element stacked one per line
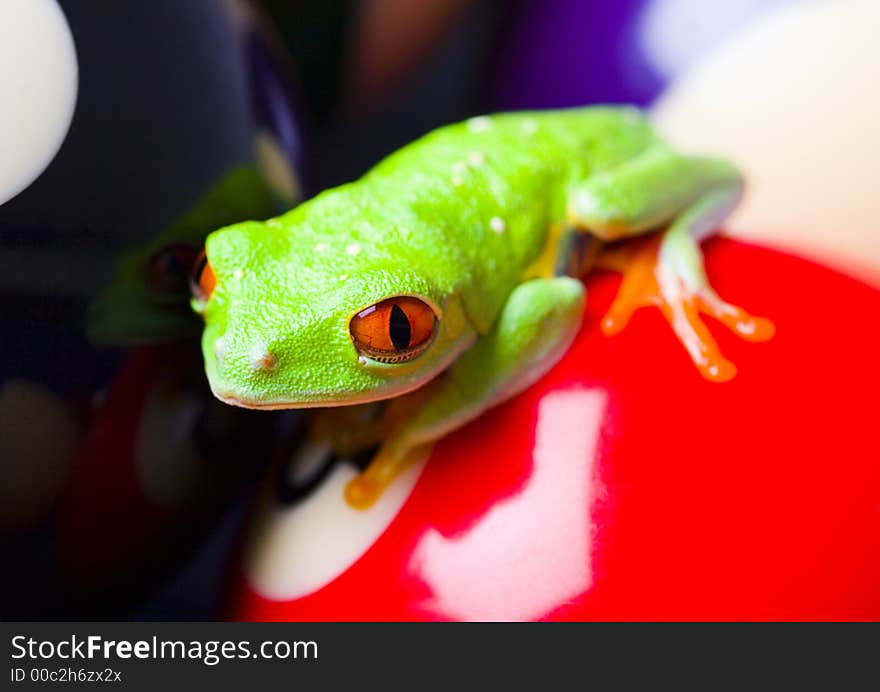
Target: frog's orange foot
<point>363,490</point>
<point>366,488</point>
<point>646,281</point>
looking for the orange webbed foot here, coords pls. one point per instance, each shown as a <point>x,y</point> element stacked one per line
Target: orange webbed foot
<point>647,281</point>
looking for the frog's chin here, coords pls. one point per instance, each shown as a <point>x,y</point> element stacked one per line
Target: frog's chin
<point>317,400</point>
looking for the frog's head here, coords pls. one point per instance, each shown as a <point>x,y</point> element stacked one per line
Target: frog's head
<point>299,316</point>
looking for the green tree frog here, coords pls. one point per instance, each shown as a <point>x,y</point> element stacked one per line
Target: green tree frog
<point>446,277</point>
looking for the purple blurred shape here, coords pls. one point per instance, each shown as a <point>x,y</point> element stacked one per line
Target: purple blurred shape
<point>559,53</point>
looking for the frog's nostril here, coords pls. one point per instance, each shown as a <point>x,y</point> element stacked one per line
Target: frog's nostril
<point>262,359</point>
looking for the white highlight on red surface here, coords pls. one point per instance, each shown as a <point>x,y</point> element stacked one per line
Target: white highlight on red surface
<point>530,553</point>
<point>38,85</point>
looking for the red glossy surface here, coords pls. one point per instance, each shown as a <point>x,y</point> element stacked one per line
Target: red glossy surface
<point>625,486</point>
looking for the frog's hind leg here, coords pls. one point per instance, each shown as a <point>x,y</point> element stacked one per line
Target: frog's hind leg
<point>689,196</point>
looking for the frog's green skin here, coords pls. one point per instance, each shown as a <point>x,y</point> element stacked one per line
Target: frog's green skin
<point>458,218</point>
<point>127,312</point>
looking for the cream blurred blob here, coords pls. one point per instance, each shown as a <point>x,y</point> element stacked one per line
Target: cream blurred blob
<point>794,100</point>
<point>38,438</point>
<point>294,551</point>
<point>38,85</point>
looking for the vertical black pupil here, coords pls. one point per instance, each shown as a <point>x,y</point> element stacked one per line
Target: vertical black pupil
<point>399,329</point>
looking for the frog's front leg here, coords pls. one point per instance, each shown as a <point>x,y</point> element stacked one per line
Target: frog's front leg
<point>536,326</point>
<point>689,196</point>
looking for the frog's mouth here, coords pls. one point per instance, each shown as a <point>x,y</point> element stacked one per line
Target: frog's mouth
<point>314,400</point>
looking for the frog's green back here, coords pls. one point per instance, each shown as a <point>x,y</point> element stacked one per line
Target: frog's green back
<point>492,185</point>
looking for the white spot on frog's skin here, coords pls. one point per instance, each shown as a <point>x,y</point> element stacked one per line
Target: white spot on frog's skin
<point>353,249</point>
<point>320,247</point>
<point>262,358</point>
<point>479,124</point>
<point>343,277</point>
<point>529,126</point>
<point>476,158</point>
<point>273,223</point>
<point>457,180</point>
<point>238,274</point>
<point>363,360</point>
<point>496,223</point>
<point>459,167</point>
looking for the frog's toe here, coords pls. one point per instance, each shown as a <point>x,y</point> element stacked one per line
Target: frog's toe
<point>648,280</point>
<point>362,491</point>
<point>736,319</point>
<point>683,314</point>
<point>683,304</point>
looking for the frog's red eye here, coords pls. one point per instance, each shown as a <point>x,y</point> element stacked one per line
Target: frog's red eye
<point>167,271</point>
<point>395,330</point>
<point>202,280</point>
